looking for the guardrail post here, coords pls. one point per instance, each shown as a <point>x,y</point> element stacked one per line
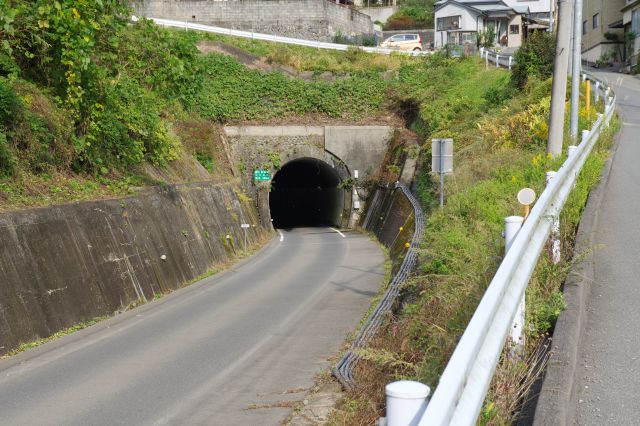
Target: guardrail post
<point>555,228</point>
<point>486,59</point>
<point>572,149</point>
<point>585,136</point>
<point>406,402</point>
<point>510,60</point>
<point>497,61</point>
<point>512,225</point>
<point>584,77</point>
<point>597,92</point>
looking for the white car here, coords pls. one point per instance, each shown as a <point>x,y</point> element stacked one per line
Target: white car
<point>407,42</point>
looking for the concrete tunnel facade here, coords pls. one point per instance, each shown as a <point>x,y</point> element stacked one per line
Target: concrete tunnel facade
<point>308,166</point>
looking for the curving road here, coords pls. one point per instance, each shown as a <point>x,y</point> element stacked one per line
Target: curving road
<point>229,350</point>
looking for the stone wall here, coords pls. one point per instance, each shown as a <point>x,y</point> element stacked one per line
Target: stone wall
<point>309,19</point>
<point>69,263</point>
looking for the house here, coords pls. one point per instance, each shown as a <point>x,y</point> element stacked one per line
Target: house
<point>460,21</point>
<point>602,31</point>
<point>631,23</point>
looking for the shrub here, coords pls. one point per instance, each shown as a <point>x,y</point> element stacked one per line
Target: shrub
<point>7,158</point>
<point>410,17</point>
<point>400,23</point>
<point>9,102</point>
<point>534,58</point>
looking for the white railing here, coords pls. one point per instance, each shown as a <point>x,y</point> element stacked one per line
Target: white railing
<point>274,38</point>
<point>499,60</point>
<point>465,381</point>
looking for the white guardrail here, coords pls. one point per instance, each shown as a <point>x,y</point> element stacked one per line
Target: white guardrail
<point>465,381</point>
<point>500,60</point>
<point>276,39</point>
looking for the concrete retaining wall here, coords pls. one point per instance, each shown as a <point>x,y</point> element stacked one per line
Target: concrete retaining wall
<point>380,14</point>
<point>309,19</point>
<point>389,215</point>
<point>69,263</point>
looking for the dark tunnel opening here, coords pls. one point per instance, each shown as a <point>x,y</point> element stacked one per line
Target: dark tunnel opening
<point>304,192</point>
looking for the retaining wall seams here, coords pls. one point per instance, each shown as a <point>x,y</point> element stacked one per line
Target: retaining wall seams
<point>69,263</point>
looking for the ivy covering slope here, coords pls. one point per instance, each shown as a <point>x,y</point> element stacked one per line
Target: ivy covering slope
<point>87,98</point>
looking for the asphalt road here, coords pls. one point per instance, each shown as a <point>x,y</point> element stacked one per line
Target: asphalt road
<point>233,349</point>
<point>608,374</point>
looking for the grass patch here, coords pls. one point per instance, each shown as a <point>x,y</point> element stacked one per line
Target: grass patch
<point>39,342</point>
<point>500,148</point>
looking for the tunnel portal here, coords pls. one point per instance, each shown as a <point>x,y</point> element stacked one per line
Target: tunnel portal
<point>305,192</point>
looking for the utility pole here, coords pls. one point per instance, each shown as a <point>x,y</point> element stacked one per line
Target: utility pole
<point>559,88</point>
<point>576,71</point>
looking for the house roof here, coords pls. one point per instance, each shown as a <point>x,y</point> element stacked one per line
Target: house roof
<point>484,7</point>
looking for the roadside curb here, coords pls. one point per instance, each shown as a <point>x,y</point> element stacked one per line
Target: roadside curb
<point>557,400</point>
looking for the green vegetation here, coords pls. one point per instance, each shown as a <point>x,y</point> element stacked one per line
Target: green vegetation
<point>30,345</point>
<point>500,139</point>
<point>412,14</point>
<point>534,58</point>
<point>88,100</point>
<point>308,59</point>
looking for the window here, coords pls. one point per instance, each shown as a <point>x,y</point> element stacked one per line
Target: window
<point>635,22</point>
<point>596,20</point>
<point>514,29</point>
<point>584,27</point>
<point>469,37</point>
<point>448,23</point>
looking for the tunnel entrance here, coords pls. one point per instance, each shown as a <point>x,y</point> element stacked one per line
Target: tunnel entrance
<point>304,192</point>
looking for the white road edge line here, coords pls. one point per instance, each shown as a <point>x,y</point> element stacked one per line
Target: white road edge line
<point>281,235</point>
<point>341,234</point>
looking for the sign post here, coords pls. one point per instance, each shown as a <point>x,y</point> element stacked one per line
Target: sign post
<point>244,227</point>
<point>261,175</point>
<point>442,161</point>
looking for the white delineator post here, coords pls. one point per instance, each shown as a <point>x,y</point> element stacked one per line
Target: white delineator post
<point>497,61</point>
<point>555,228</point>
<point>406,402</point>
<point>512,225</point>
<point>510,61</point>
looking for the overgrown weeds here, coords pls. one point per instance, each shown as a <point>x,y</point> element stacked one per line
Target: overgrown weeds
<point>499,149</point>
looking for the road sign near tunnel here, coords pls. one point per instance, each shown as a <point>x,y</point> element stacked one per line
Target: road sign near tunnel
<point>261,175</point>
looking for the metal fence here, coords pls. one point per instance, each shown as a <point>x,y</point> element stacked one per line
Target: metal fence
<point>500,60</point>
<point>276,39</point>
<point>463,385</point>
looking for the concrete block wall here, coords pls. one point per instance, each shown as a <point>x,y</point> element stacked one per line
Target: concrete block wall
<point>69,263</point>
<point>309,19</point>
